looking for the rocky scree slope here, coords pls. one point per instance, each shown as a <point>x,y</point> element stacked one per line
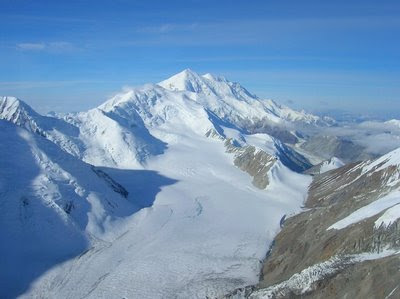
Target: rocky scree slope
<point>347,241</point>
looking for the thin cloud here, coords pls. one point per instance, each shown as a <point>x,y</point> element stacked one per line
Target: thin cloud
<point>57,46</point>
<point>253,58</point>
<point>254,31</point>
<point>43,19</point>
<point>18,85</point>
<point>167,28</point>
<point>31,46</point>
<point>164,28</point>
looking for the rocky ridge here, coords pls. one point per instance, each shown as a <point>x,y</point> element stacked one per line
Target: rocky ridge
<point>338,247</point>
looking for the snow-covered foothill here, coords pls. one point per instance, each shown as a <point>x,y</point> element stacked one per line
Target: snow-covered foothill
<point>332,163</point>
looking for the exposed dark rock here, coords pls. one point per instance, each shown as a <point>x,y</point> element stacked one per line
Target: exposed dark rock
<point>255,162</point>
<point>113,184</point>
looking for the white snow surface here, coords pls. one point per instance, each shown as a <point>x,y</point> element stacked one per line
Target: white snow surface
<point>390,215</point>
<point>51,206</point>
<point>193,224</point>
<point>389,201</point>
<point>230,101</point>
<point>374,208</point>
<point>332,163</point>
<point>390,159</point>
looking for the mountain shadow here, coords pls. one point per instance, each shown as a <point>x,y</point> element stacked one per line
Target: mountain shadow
<point>43,216</point>
<point>142,185</point>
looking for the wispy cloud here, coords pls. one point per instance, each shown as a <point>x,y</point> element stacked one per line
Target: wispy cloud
<point>377,137</point>
<point>56,46</point>
<point>167,28</point>
<point>31,46</point>
<point>18,85</point>
<point>253,58</point>
<point>163,28</point>
<point>256,31</point>
<point>43,19</point>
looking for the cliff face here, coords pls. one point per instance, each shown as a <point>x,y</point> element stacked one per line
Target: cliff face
<point>345,244</point>
<point>255,162</point>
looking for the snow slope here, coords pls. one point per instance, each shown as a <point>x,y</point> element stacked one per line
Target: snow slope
<point>231,102</point>
<point>94,136</point>
<point>52,206</point>
<point>389,201</point>
<point>390,159</point>
<point>389,164</point>
<point>168,114</point>
<point>112,141</point>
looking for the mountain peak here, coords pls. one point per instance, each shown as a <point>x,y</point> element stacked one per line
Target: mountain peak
<point>208,84</point>
<point>188,71</point>
<point>12,107</point>
<point>18,112</point>
<point>10,101</point>
<point>187,80</point>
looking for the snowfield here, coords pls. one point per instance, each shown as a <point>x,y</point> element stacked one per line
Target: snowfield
<point>163,213</point>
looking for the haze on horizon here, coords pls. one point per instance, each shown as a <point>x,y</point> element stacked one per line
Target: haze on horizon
<point>318,55</point>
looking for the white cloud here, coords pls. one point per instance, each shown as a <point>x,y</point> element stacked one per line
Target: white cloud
<point>163,28</point>
<point>56,46</point>
<point>31,46</point>
<point>376,137</point>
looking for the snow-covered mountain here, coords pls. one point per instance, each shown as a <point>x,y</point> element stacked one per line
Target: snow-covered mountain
<point>53,206</point>
<point>171,116</point>
<point>152,193</point>
<point>94,136</point>
<point>232,102</point>
<point>137,123</point>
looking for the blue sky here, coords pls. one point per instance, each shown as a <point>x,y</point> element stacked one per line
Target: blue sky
<point>317,55</point>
